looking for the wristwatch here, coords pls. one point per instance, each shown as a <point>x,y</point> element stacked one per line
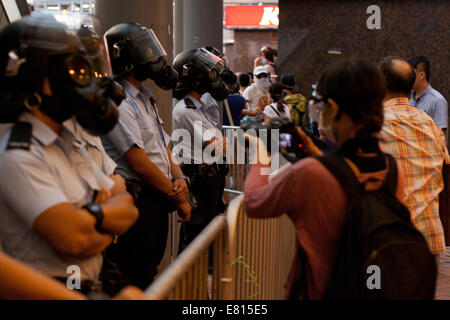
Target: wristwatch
<point>188,181</point>
<point>96,210</point>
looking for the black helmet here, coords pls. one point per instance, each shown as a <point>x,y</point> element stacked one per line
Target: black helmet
<point>48,45</point>
<point>199,70</point>
<point>136,49</point>
<point>227,75</point>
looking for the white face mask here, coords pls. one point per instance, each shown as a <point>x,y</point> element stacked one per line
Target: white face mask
<point>327,130</point>
<point>263,83</point>
<point>264,61</point>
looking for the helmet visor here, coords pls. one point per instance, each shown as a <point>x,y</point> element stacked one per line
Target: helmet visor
<point>208,62</point>
<point>145,47</point>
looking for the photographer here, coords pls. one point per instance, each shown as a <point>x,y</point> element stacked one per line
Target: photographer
<point>351,115</point>
<point>58,208</point>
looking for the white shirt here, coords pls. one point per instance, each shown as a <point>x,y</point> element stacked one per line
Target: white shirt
<point>254,95</point>
<point>138,125</point>
<point>55,170</point>
<point>271,113</point>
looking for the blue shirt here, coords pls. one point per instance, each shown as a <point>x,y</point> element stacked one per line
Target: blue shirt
<point>434,104</point>
<point>237,104</point>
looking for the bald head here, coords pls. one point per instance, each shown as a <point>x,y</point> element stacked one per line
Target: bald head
<point>399,76</point>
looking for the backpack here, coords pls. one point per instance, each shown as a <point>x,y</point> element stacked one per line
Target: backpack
<point>381,255</point>
<point>298,110</point>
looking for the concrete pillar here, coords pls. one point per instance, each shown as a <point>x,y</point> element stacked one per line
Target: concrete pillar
<point>177,27</point>
<point>203,24</point>
<point>155,14</point>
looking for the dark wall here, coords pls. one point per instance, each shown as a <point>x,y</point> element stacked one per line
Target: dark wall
<point>246,47</point>
<point>308,29</point>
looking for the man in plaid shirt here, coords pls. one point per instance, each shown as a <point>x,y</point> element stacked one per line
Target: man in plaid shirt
<point>415,140</point>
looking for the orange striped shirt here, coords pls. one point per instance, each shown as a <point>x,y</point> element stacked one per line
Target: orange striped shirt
<point>414,139</point>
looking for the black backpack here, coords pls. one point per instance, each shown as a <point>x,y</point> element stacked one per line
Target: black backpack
<point>378,242</point>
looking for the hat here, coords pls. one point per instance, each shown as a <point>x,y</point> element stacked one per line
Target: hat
<point>288,81</point>
<point>259,70</point>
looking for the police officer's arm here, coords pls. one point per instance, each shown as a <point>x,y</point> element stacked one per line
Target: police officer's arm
<point>119,213</point>
<point>18,281</point>
<point>139,162</point>
<point>46,208</point>
<point>71,231</point>
<point>180,189</point>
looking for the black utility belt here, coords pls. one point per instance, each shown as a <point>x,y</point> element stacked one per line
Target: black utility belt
<point>200,169</point>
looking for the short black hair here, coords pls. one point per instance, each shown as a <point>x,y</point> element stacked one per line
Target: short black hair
<point>244,80</point>
<point>359,89</point>
<point>421,63</point>
<point>399,75</point>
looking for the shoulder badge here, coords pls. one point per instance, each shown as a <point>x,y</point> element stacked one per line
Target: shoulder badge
<point>189,104</point>
<point>20,136</point>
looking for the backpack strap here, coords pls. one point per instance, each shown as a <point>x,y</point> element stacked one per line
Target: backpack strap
<point>390,183</point>
<point>275,110</point>
<point>336,164</point>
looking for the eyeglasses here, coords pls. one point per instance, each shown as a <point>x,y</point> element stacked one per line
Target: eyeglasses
<point>315,105</point>
<point>262,75</point>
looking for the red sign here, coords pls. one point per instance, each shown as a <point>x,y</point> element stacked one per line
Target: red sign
<point>251,17</point>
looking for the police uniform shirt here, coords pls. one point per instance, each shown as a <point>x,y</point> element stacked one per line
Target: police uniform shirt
<point>53,171</point>
<point>93,145</point>
<point>192,119</point>
<point>211,110</point>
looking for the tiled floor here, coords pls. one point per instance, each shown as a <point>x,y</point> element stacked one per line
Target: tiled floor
<point>443,283</point>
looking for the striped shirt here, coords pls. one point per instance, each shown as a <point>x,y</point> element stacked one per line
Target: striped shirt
<point>415,140</point>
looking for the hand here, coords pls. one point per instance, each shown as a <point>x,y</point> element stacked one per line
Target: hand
<point>131,293</point>
<point>184,211</point>
<point>180,191</point>
<point>119,185</point>
<point>261,155</point>
<point>102,196</point>
<point>310,148</point>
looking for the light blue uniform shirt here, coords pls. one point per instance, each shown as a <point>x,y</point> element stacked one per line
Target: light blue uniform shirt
<point>434,104</point>
<point>55,170</point>
<point>139,125</point>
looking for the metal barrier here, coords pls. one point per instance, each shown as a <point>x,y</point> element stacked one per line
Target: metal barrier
<point>262,252</point>
<point>238,172</point>
<point>187,278</point>
<point>251,260</point>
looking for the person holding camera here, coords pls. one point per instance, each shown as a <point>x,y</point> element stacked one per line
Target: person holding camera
<point>140,147</point>
<point>58,208</point>
<point>200,72</point>
<point>350,111</point>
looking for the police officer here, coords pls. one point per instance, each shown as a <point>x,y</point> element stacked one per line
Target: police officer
<point>140,147</point>
<point>58,208</point>
<point>199,72</point>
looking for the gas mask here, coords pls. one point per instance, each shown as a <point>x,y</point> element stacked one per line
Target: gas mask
<point>81,89</point>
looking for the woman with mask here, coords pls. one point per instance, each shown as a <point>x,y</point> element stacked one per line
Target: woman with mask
<point>350,115</point>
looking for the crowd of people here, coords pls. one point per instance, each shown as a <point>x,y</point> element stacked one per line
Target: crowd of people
<point>89,175</point>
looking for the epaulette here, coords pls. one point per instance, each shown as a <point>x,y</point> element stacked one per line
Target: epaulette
<point>189,104</point>
<point>20,137</point>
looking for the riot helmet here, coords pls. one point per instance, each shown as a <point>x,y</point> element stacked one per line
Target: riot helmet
<point>47,45</point>
<point>136,49</point>
<point>227,75</point>
<point>199,70</point>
